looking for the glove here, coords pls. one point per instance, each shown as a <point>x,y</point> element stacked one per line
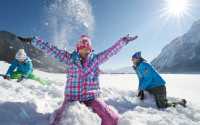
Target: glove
<point>25,40</point>
<point>6,77</point>
<point>141,95</point>
<point>128,38</point>
<point>20,79</point>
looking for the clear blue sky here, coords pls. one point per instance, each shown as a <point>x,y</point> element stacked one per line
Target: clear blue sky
<point>112,19</point>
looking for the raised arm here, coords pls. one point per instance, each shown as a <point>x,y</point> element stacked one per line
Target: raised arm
<point>113,50</point>
<point>51,50</point>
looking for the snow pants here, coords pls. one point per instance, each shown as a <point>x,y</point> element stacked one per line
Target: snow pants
<point>17,75</point>
<point>160,95</point>
<point>107,116</point>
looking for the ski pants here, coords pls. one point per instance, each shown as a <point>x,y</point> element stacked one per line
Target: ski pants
<point>17,75</point>
<point>160,96</point>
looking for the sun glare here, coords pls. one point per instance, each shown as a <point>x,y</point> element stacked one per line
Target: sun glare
<point>177,8</point>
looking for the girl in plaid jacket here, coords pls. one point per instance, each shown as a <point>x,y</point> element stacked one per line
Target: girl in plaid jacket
<point>83,74</point>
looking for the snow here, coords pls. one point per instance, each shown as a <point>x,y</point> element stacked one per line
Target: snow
<point>29,103</point>
<point>66,18</point>
<point>78,114</point>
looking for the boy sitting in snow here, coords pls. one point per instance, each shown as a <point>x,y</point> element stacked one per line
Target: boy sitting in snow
<point>83,74</point>
<point>152,82</point>
<point>21,68</point>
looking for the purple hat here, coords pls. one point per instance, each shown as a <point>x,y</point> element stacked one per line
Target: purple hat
<point>137,55</point>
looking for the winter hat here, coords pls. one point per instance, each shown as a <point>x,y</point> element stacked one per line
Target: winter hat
<point>21,55</point>
<point>84,42</point>
<point>137,55</point>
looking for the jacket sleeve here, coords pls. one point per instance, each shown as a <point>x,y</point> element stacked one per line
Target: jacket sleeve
<point>29,69</point>
<point>146,75</point>
<point>11,68</point>
<point>51,50</point>
<point>113,50</point>
<point>105,55</point>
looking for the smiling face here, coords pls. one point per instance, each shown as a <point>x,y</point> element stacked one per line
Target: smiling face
<point>21,55</point>
<point>84,52</point>
<point>84,46</point>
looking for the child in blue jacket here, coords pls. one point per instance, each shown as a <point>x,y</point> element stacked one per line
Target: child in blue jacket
<point>152,82</point>
<point>22,68</point>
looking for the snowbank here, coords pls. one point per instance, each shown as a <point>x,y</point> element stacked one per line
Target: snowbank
<point>29,103</point>
<point>78,114</point>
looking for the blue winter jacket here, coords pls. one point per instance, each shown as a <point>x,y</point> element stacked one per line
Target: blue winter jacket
<point>25,68</point>
<point>148,76</point>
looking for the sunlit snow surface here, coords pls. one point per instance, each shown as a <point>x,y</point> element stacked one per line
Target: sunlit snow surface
<point>29,103</point>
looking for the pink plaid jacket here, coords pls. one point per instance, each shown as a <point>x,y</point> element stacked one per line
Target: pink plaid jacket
<point>82,80</point>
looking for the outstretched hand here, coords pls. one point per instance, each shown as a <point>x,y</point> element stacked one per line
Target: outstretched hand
<point>25,40</point>
<point>129,38</point>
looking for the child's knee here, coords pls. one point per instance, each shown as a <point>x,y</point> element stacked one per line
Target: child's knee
<point>161,102</point>
<point>114,116</point>
<point>108,116</point>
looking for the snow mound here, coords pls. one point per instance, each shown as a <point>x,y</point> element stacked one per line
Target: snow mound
<point>152,116</point>
<point>21,113</point>
<point>78,114</point>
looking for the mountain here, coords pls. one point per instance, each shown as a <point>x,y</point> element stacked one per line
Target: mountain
<point>182,55</point>
<point>9,45</point>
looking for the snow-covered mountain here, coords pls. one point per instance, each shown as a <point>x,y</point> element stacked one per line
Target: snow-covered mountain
<point>30,103</point>
<point>182,54</point>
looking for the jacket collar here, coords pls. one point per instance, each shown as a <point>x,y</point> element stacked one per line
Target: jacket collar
<point>77,59</point>
<point>26,60</point>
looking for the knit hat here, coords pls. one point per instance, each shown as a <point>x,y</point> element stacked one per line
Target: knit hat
<point>21,55</point>
<point>137,55</point>
<point>84,42</point>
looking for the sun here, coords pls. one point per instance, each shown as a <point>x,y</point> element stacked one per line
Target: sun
<point>177,8</point>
